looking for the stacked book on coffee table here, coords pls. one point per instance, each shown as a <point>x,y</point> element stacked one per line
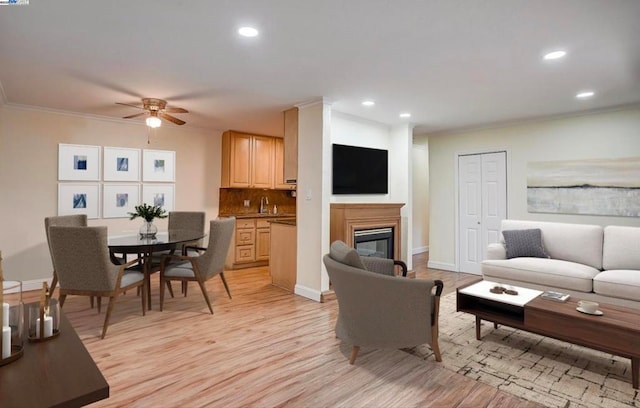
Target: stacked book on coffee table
<point>555,296</point>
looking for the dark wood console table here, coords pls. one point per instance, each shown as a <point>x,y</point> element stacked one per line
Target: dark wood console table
<point>55,373</point>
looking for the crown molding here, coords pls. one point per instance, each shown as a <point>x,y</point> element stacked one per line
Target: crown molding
<point>312,102</point>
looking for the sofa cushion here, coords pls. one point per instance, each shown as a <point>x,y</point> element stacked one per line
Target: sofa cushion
<point>619,283</point>
<point>621,248</point>
<point>341,252</point>
<point>579,243</point>
<point>541,271</point>
<point>525,242</point>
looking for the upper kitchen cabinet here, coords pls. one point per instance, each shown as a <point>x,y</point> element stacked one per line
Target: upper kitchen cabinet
<point>247,160</point>
<point>291,145</point>
<point>280,183</point>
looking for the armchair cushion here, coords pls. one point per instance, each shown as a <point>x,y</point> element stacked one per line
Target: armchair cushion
<point>344,254</point>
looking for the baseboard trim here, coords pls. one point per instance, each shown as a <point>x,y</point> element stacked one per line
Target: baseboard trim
<point>308,293</point>
<point>420,250</point>
<point>443,266</point>
<point>34,284</point>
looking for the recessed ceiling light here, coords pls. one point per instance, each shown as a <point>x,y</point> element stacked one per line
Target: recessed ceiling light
<point>405,115</point>
<point>585,94</point>
<point>555,55</point>
<point>368,103</point>
<point>247,31</point>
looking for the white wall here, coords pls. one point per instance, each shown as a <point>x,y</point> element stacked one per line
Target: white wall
<point>599,135</point>
<point>29,141</point>
<point>313,198</point>
<point>420,197</point>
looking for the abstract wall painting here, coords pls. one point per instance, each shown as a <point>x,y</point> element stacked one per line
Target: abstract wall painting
<point>121,164</point>
<point>78,162</point>
<point>593,187</point>
<point>119,199</point>
<point>158,165</point>
<point>79,199</point>
<point>159,194</point>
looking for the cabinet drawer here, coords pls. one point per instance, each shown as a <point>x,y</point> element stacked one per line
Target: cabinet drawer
<point>245,253</point>
<point>245,237</point>
<point>250,223</point>
<point>262,224</point>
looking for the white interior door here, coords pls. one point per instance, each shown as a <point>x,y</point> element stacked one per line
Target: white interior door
<point>482,195</point>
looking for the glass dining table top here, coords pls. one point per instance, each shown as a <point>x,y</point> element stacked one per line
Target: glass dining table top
<point>174,236</point>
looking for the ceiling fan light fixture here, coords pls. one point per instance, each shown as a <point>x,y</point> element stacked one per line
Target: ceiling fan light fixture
<point>153,122</point>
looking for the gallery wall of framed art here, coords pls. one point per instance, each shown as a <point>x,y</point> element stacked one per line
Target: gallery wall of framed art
<point>121,179</point>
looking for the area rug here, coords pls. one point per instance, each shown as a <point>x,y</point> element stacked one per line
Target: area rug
<point>536,368</point>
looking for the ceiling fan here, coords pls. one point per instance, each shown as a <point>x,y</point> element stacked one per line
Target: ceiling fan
<point>156,109</point>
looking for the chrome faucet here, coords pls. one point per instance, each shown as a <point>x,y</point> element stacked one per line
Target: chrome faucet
<point>264,201</point>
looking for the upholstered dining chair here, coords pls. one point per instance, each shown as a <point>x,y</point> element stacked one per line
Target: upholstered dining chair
<point>79,220</point>
<point>186,220</point>
<point>203,267</point>
<point>84,267</point>
<point>381,310</point>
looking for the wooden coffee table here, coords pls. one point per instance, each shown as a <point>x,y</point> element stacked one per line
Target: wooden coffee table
<point>617,331</point>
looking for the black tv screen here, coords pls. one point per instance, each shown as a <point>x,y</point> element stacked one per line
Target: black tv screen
<point>360,170</point>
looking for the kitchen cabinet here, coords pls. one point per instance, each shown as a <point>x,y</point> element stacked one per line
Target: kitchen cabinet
<point>283,256</point>
<point>250,244</point>
<point>291,145</point>
<point>262,240</point>
<point>279,182</point>
<point>247,160</point>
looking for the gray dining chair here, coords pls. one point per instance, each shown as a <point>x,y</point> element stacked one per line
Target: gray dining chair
<point>186,220</point>
<point>381,310</point>
<point>203,267</point>
<point>79,220</point>
<point>84,267</point>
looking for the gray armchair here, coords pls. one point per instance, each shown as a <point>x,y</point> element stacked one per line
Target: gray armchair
<point>200,268</point>
<point>378,310</point>
<point>83,265</point>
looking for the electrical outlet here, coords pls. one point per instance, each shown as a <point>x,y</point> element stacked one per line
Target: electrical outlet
<point>247,203</point>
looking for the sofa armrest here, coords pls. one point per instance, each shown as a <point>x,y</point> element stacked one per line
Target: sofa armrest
<point>496,250</point>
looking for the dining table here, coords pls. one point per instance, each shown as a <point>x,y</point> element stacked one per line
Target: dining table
<point>144,247</point>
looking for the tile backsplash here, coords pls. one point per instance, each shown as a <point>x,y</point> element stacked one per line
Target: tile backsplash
<point>232,201</point>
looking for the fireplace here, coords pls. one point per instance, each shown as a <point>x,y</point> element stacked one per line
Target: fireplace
<point>358,225</point>
<point>376,242</point>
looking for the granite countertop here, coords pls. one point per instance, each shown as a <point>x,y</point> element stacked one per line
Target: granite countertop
<point>285,221</point>
<point>257,215</point>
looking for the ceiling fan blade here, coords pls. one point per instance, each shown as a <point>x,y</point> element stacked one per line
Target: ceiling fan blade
<point>128,104</point>
<point>172,119</point>
<point>174,109</point>
<point>134,116</point>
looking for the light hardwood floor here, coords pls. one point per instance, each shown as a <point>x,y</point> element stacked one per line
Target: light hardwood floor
<point>263,348</point>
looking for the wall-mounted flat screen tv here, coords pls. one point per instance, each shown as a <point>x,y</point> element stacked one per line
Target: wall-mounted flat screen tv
<point>360,170</point>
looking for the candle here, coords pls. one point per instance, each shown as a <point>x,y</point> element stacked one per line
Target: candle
<point>48,327</point>
<point>6,341</point>
<point>5,314</point>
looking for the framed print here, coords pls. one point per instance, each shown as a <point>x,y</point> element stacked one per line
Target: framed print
<point>159,194</point>
<point>119,199</point>
<point>158,165</point>
<point>79,199</point>
<point>121,164</point>
<point>78,162</point>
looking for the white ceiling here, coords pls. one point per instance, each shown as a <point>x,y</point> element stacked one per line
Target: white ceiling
<point>452,63</point>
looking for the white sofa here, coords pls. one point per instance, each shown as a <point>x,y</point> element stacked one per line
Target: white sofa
<point>587,261</point>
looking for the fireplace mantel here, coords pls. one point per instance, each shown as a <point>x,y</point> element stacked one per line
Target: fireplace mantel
<point>345,219</point>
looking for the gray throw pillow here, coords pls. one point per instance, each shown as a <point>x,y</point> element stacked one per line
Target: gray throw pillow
<point>524,243</point>
<point>344,254</point>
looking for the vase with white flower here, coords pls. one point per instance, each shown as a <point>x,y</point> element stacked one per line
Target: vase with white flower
<point>148,213</point>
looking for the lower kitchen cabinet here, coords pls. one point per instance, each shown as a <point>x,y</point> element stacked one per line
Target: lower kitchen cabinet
<point>250,244</point>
